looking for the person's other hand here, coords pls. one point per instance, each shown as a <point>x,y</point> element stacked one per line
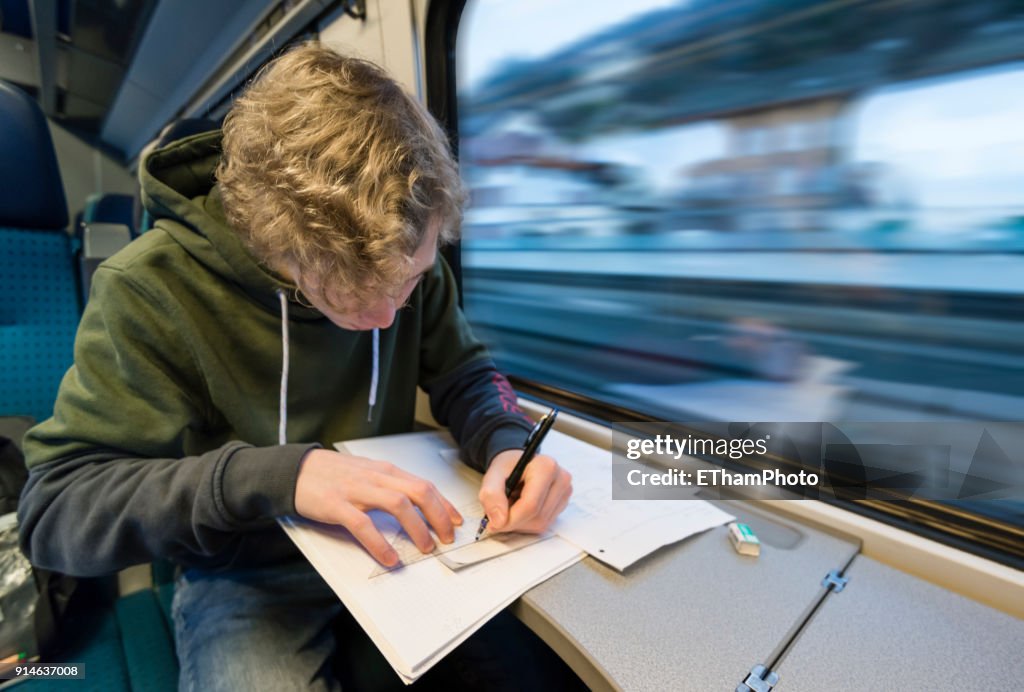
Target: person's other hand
<point>542,494</point>
<point>336,488</point>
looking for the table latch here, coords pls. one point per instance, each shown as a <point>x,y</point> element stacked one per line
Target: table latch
<point>835,580</point>
<point>759,680</point>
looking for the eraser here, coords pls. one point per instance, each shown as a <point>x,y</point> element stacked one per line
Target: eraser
<point>743,539</point>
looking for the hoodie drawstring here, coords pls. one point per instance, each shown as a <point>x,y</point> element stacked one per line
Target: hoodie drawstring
<point>282,426</point>
<point>375,378</point>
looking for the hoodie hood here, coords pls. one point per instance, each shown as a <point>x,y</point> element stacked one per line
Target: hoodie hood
<point>178,183</point>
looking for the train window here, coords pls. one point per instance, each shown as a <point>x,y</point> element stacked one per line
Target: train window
<point>750,211</point>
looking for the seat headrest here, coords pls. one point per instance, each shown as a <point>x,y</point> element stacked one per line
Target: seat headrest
<point>110,208</point>
<point>31,192</point>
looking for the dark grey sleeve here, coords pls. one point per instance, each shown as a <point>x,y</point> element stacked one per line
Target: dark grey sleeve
<point>479,407</point>
<point>96,513</point>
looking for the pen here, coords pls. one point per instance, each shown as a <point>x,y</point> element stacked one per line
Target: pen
<point>533,440</point>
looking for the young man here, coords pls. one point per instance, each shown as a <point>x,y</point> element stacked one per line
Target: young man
<point>290,295</point>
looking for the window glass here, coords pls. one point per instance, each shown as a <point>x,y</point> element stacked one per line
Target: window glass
<point>757,211</point>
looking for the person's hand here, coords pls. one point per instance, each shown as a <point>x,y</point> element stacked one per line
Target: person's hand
<point>542,495</point>
<point>336,488</point>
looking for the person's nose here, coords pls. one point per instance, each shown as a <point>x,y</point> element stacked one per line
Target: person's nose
<point>380,315</point>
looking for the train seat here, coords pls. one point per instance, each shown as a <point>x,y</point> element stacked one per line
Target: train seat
<point>112,208</point>
<point>99,241</point>
<point>126,644</point>
<point>39,311</point>
<point>105,225</point>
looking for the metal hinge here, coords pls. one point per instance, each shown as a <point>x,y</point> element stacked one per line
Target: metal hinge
<point>759,680</point>
<point>835,580</point>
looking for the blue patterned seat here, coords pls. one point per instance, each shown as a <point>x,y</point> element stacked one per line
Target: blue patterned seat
<point>125,644</point>
<point>39,304</point>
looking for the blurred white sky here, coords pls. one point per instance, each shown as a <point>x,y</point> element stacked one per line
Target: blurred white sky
<point>959,141</point>
<point>492,31</point>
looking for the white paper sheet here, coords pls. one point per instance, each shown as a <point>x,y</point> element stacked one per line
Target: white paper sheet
<point>619,532</point>
<point>417,614</point>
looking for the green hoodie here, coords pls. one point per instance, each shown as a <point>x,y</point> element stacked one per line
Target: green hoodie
<point>163,442</point>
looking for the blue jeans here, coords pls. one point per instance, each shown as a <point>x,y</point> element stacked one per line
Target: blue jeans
<point>255,629</point>
<point>282,628</point>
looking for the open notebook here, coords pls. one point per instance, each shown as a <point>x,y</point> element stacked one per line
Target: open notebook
<point>418,613</point>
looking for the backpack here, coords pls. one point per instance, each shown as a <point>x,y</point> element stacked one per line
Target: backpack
<point>31,599</point>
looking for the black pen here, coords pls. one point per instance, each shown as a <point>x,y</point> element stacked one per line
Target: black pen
<point>533,440</point>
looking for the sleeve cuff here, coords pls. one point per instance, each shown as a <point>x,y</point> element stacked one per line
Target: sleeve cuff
<point>505,437</point>
<point>257,484</point>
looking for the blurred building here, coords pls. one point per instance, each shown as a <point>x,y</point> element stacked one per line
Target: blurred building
<point>783,169</point>
<point>525,181</point>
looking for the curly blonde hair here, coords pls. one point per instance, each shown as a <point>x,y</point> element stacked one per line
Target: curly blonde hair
<point>329,166</point>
